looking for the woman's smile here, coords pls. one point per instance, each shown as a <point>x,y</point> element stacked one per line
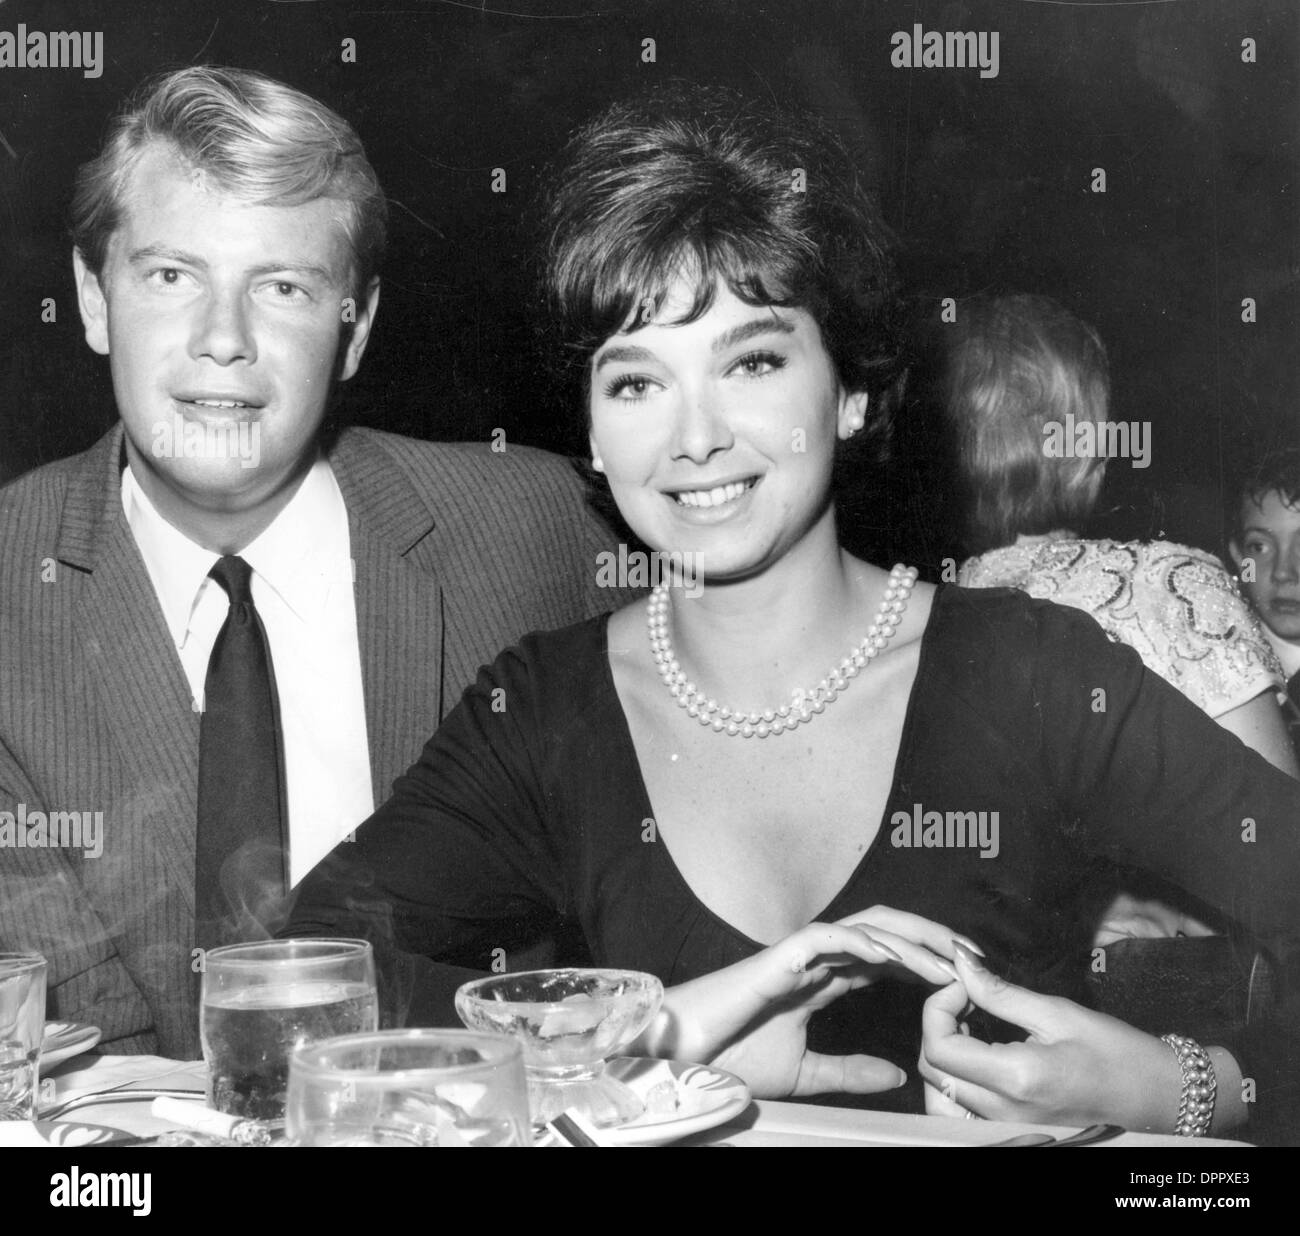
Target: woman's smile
<point>711,503</point>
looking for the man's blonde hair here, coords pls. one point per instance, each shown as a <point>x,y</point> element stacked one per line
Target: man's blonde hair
<point>254,138</point>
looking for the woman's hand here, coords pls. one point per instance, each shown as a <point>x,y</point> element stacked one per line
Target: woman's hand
<point>752,1017</point>
<point>1077,1067</point>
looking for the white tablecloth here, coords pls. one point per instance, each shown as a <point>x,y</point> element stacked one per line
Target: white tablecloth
<point>766,1123</point>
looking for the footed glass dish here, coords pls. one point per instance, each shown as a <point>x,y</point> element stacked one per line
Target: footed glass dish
<point>568,1022</point>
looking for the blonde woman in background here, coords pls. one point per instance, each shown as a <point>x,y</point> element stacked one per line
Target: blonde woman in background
<point>1020,370</point>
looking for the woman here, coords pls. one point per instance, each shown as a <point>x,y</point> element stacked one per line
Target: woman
<point>1017,368</point>
<point>687,779</point>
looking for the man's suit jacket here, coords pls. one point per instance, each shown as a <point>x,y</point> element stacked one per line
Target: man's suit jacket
<point>457,552</point>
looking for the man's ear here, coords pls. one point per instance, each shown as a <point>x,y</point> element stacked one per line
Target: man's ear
<point>92,302</point>
<point>359,317</point>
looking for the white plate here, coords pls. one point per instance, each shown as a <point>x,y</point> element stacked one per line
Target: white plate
<point>65,1039</point>
<point>65,1133</point>
<point>26,1133</point>
<point>705,1097</point>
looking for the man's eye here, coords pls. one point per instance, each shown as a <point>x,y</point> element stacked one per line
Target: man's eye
<point>287,291</point>
<point>167,276</point>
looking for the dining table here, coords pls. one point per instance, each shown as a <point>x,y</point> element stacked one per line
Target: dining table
<point>135,1080</point>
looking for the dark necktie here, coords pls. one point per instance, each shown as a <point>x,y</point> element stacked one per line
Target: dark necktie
<point>240,869</point>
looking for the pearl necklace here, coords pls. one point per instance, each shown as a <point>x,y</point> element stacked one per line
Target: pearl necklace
<point>803,705</point>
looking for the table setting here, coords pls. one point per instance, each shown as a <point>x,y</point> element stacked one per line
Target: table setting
<point>293,1056</point>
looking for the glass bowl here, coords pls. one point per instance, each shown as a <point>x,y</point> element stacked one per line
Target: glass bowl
<point>568,1022</point>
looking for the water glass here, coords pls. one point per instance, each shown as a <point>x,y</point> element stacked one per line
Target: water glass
<point>409,1088</point>
<point>260,1001</point>
<point>22,1027</point>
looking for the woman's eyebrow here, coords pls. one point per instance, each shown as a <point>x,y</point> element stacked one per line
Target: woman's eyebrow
<point>624,354</point>
<point>747,330</point>
<point>635,355</point>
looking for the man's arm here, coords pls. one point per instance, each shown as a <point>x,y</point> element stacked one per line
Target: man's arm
<point>44,909</point>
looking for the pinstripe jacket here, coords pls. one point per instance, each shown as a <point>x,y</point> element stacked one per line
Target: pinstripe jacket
<point>458,551</point>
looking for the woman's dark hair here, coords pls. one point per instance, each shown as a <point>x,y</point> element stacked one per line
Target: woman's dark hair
<point>700,182</point>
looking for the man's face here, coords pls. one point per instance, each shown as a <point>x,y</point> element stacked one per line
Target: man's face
<point>1270,539</point>
<point>223,322</point>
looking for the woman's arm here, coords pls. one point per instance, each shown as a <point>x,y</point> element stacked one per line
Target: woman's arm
<point>1258,723</point>
<point>459,867</point>
<point>1146,780</point>
<point>1152,783</point>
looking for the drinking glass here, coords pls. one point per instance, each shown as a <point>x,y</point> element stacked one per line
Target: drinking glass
<point>22,1027</point>
<point>260,1001</point>
<point>408,1088</point>
<point>568,1022</point>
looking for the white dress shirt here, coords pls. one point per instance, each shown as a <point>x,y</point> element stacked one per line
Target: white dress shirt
<point>303,590</point>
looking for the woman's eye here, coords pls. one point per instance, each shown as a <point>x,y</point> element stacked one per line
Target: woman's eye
<point>628,387</point>
<point>1256,549</point>
<point>759,364</point>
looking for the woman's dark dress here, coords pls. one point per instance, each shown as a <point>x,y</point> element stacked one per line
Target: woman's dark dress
<point>529,804</point>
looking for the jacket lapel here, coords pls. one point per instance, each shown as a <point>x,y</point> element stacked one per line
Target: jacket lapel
<point>399,606</point>
<point>133,670</point>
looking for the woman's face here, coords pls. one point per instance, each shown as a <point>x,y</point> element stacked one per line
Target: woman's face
<point>717,435</point>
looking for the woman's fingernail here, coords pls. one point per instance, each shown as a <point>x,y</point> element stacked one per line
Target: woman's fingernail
<point>967,956</point>
<point>970,944</point>
<point>948,968</point>
<point>884,948</point>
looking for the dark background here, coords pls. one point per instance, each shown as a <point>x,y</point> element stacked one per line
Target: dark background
<point>985,180</point>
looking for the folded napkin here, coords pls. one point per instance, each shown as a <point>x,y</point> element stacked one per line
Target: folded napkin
<point>88,1073</point>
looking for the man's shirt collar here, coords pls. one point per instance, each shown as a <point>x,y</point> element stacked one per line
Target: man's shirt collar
<point>299,556</point>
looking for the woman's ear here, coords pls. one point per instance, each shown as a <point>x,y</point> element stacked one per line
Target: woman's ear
<point>853,413</point>
<point>597,464</point>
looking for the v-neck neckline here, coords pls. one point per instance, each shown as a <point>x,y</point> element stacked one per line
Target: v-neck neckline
<point>626,745</point>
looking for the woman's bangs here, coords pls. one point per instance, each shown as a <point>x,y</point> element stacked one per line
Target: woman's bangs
<point>633,294</point>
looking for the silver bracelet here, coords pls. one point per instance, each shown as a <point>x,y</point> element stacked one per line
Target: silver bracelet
<point>1196,1106</point>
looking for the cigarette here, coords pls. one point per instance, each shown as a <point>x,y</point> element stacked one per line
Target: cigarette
<point>214,1124</point>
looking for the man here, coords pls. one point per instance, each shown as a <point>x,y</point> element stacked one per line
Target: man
<point>226,631</point>
<point>1265,547</point>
